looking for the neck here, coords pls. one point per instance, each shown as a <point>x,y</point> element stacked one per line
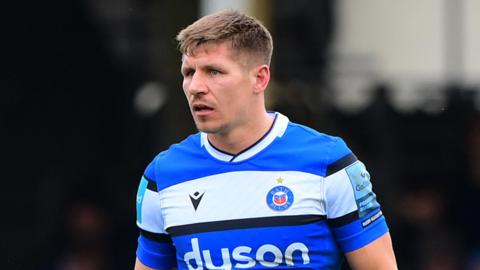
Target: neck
<point>237,140</point>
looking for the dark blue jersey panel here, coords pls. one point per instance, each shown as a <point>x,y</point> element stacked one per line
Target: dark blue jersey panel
<point>282,247</point>
<point>299,149</point>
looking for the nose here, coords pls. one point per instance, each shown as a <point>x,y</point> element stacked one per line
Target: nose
<point>197,84</point>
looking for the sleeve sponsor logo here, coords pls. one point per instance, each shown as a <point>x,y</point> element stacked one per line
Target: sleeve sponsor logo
<point>371,219</point>
<point>142,187</point>
<point>362,188</point>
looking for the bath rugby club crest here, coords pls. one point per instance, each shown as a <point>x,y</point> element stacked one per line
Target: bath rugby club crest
<point>280,198</point>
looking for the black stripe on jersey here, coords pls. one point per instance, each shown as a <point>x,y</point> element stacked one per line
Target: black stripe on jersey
<point>341,163</point>
<point>343,220</point>
<point>351,217</point>
<point>157,237</point>
<point>152,185</point>
<point>243,224</point>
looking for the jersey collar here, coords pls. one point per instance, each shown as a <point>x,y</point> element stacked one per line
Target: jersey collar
<point>278,128</point>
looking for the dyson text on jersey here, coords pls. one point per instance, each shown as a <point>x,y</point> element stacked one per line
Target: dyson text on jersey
<point>243,256</point>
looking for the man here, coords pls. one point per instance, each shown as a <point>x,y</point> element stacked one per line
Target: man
<point>252,190</point>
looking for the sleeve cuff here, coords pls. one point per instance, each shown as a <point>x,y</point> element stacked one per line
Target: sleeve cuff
<point>157,255</point>
<point>361,232</point>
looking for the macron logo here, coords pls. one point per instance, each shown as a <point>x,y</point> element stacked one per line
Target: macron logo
<point>245,257</point>
<point>196,198</point>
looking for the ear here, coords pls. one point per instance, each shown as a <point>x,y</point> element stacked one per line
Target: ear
<point>262,77</point>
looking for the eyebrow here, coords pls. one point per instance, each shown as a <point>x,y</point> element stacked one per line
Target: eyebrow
<point>187,69</point>
<point>213,66</point>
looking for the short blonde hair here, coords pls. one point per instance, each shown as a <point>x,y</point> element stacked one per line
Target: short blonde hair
<point>245,34</point>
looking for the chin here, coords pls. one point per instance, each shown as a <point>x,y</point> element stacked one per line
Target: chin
<point>203,127</point>
<point>206,128</point>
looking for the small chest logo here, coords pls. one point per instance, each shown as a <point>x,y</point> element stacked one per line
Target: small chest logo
<point>196,198</point>
<point>280,198</point>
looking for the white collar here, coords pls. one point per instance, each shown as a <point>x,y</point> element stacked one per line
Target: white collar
<point>278,128</point>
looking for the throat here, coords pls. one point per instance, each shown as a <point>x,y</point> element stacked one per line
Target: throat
<point>236,144</point>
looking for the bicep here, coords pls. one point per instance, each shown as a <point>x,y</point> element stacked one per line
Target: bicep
<point>155,248</point>
<point>353,212</point>
<point>376,255</point>
<point>356,220</point>
<point>140,266</point>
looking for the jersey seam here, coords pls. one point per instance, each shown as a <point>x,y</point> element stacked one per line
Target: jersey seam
<point>160,199</point>
<point>325,184</point>
<point>324,172</point>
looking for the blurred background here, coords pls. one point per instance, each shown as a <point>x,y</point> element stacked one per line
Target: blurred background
<point>90,91</point>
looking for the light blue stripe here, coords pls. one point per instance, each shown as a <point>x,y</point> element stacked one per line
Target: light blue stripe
<point>140,194</point>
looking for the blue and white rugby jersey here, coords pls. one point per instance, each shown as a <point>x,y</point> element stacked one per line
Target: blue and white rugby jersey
<point>297,199</point>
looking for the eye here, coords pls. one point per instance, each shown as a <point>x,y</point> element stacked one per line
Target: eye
<point>188,72</point>
<point>214,72</point>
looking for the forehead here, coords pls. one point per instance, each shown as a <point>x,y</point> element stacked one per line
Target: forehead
<point>207,49</point>
<point>213,52</point>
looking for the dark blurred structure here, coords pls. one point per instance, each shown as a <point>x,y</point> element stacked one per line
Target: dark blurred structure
<point>69,132</point>
<point>422,165</point>
<point>73,142</point>
<point>87,243</point>
<point>303,28</point>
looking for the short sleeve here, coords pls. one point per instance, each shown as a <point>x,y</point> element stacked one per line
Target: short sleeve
<point>155,248</point>
<point>353,212</point>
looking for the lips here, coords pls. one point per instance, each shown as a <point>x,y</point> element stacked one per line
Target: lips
<point>201,109</point>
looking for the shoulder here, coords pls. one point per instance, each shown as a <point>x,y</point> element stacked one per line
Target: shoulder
<point>182,150</point>
<point>301,148</point>
<point>173,160</point>
<point>322,148</point>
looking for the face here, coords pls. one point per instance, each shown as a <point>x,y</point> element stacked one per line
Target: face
<point>219,88</point>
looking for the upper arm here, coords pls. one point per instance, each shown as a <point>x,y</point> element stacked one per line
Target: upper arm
<point>155,248</point>
<point>140,266</point>
<point>375,255</point>
<point>353,212</point>
<point>355,217</point>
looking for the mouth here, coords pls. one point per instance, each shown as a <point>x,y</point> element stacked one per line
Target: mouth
<point>201,109</point>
